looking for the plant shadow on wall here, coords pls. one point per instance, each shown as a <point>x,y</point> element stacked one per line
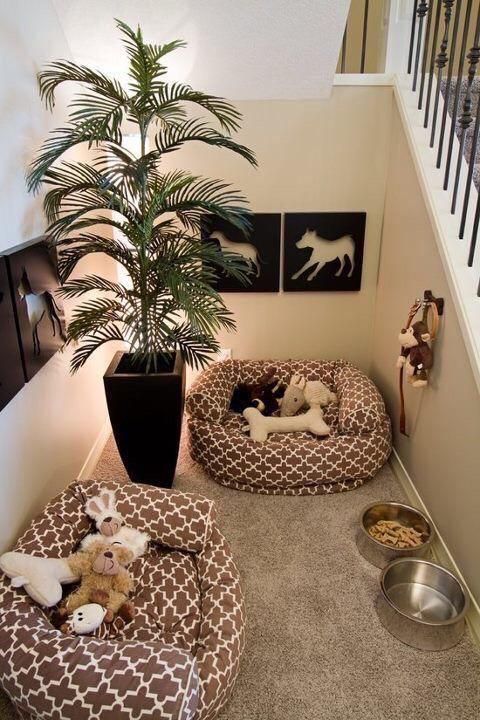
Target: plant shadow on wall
<point>148,221</point>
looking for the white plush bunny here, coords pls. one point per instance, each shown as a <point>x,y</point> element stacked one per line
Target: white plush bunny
<point>109,522</point>
<point>102,509</point>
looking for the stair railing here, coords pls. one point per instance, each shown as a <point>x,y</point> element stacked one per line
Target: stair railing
<point>441,31</point>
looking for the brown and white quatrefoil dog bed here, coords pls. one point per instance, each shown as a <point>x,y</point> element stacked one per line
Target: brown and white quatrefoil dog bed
<point>176,660</point>
<point>289,463</point>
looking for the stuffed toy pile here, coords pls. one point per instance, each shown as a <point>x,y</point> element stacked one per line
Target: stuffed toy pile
<point>99,566</point>
<point>258,402</point>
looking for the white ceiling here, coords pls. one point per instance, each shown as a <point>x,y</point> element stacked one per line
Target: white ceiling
<point>242,49</point>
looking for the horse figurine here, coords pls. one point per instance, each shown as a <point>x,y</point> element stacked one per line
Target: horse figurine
<point>325,251</point>
<point>39,305</point>
<point>248,251</point>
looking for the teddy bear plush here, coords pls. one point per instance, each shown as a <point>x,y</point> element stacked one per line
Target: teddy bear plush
<point>104,580</point>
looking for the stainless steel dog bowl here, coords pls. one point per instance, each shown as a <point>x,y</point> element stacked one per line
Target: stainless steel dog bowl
<point>380,554</point>
<point>422,604</point>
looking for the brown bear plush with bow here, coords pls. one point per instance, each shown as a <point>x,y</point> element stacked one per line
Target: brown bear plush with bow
<point>104,579</point>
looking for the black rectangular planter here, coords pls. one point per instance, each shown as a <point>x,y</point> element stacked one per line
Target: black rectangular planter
<point>146,416</point>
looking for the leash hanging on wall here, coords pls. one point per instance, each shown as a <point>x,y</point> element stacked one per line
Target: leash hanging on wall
<point>416,355</point>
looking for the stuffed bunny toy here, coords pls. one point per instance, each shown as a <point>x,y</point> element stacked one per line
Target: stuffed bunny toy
<point>301,393</point>
<point>109,523</point>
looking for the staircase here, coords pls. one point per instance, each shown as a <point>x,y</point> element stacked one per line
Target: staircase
<point>456,109</point>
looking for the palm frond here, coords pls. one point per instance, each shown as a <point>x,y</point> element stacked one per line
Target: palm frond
<point>76,287</point>
<point>108,333</point>
<point>72,250</point>
<point>172,96</point>
<point>145,66</point>
<point>79,188</point>
<point>175,135</point>
<point>190,197</point>
<point>56,73</point>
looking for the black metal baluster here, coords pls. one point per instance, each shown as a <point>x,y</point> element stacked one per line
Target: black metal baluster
<point>473,241</point>
<point>412,37</point>
<point>449,82</point>
<point>466,116</point>
<point>423,9</point>
<point>344,49</point>
<point>458,87</point>
<point>432,63</point>
<point>364,36</point>
<point>440,62</point>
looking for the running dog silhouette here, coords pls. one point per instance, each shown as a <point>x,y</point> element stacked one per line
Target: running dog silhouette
<point>325,251</point>
<point>39,305</point>
<point>248,251</point>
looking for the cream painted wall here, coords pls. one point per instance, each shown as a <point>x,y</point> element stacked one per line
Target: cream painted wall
<point>48,430</point>
<point>313,156</point>
<point>442,454</point>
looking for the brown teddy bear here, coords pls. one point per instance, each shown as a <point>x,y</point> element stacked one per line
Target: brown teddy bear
<point>104,579</point>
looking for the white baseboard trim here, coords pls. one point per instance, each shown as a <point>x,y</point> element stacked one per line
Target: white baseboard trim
<point>95,452</point>
<point>441,553</point>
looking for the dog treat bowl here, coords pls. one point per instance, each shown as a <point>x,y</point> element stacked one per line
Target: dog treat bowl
<point>422,604</point>
<point>379,553</point>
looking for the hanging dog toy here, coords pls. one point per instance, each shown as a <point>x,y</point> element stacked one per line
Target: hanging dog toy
<point>416,355</point>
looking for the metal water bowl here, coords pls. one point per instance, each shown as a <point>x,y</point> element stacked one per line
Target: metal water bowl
<point>380,554</point>
<point>422,604</point>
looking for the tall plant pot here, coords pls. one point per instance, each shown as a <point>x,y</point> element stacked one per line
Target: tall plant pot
<point>146,416</point>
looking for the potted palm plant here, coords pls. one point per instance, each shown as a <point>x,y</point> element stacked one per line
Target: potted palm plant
<point>148,219</point>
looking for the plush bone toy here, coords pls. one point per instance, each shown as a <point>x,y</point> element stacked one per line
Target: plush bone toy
<point>416,354</point>
<point>42,578</point>
<point>260,426</point>
<point>301,393</point>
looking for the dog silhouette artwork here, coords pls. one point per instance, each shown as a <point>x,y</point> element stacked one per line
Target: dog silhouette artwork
<point>325,251</point>
<point>248,251</point>
<point>39,306</point>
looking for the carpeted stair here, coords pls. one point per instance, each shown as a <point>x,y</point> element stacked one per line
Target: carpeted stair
<point>475,96</point>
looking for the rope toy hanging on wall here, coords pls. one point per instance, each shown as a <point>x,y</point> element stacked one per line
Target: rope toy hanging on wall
<point>416,355</point>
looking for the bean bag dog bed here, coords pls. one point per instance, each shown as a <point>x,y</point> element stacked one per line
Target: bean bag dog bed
<point>290,463</point>
<point>177,659</point>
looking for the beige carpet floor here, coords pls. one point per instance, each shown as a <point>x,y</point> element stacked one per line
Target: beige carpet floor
<point>315,648</point>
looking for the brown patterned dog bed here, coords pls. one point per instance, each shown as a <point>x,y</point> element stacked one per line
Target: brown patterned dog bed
<point>291,463</point>
<point>178,658</point>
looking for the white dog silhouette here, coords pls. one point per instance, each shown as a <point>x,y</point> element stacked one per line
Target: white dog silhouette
<point>248,251</point>
<point>324,251</point>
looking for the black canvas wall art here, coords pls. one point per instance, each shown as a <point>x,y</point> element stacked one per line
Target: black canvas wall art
<point>261,250</point>
<point>323,251</point>
<point>34,284</point>
<point>12,376</point>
